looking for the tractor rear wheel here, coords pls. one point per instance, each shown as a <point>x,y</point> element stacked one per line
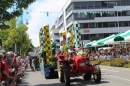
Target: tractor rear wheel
<point>66,77</point>
<point>87,75</point>
<point>60,73</point>
<point>97,73</point>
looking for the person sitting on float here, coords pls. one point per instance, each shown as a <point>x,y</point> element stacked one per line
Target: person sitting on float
<point>72,51</point>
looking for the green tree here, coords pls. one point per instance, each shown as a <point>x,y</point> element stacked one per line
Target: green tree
<point>16,5</point>
<point>16,35</point>
<point>95,38</point>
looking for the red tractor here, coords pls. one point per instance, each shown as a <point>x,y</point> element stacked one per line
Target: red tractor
<point>77,66</point>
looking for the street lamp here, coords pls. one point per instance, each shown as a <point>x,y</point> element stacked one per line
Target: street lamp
<point>117,14</point>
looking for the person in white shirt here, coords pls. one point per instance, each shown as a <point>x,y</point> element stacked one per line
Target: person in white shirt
<point>102,56</point>
<point>124,56</point>
<point>61,48</point>
<point>72,51</point>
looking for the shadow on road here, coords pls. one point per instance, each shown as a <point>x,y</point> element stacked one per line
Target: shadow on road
<point>74,82</point>
<point>78,81</point>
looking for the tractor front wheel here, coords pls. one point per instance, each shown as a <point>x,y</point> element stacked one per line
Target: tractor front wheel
<point>97,73</point>
<point>66,77</point>
<point>60,73</point>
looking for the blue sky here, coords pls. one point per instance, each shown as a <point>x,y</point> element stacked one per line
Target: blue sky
<point>37,18</point>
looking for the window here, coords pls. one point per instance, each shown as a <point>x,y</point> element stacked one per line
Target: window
<point>56,34</point>
<point>90,5</point>
<point>84,16</point>
<point>110,5</point>
<point>77,16</point>
<point>85,25</point>
<point>84,5</point>
<point>99,24</point>
<point>81,25</point>
<point>77,5</point>
<point>126,23</point>
<point>104,14</point>
<point>129,23</point>
<point>60,19</point>
<point>123,3</point>
<point>124,13</point>
<point>97,14</point>
<point>128,13</point>
<point>121,24</point>
<point>97,4</point>
<point>91,15</point>
<point>106,35</point>
<point>119,13</point>
<point>103,4</point>
<point>128,2</point>
<point>92,25</point>
<point>61,26</point>
<point>105,24</point>
<point>118,3</point>
<point>69,9</point>
<point>57,40</point>
<point>111,14</point>
<point>112,24</point>
<point>101,35</point>
<point>85,37</point>
<point>69,19</point>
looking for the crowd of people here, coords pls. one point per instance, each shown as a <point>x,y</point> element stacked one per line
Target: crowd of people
<point>116,51</point>
<point>12,68</point>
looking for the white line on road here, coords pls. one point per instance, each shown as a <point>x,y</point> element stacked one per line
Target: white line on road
<point>119,77</point>
<point>126,69</point>
<point>110,70</point>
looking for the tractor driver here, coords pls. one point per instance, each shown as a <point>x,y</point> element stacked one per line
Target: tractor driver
<point>72,51</point>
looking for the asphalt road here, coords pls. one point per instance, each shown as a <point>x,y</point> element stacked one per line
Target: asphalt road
<point>111,76</point>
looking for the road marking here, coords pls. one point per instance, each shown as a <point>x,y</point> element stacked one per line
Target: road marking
<point>110,70</point>
<point>119,77</point>
<point>119,68</point>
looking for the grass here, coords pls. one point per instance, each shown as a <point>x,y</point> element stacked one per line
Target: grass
<point>117,62</point>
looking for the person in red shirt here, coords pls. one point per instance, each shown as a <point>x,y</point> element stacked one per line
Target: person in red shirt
<point>4,69</point>
<point>0,70</point>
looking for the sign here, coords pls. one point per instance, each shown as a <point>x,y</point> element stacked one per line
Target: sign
<point>86,31</point>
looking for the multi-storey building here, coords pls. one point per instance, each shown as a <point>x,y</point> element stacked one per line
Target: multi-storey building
<point>54,34</point>
<point>96,17</point>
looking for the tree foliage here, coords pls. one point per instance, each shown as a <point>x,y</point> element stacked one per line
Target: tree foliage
<point>17,5</point>
<point>95,38</point>
<point>16,35</point>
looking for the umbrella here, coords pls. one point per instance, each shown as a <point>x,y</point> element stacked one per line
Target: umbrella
<point>90,44</point>
<point>123,37</point>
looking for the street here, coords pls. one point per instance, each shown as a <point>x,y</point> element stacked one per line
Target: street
<point>110,76</point>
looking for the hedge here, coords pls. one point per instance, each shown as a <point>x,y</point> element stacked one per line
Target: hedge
<point>117,62</point>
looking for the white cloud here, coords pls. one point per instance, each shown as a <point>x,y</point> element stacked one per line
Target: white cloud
<point>39,19</point>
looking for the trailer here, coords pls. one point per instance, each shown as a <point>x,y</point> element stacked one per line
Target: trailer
<point>47,62</point>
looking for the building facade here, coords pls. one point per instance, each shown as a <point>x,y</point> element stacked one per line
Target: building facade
<point>96,17</point>
<point>54,34</point>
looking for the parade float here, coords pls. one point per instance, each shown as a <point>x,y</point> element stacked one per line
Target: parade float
<point>47,62</point>
<point>80,65</point>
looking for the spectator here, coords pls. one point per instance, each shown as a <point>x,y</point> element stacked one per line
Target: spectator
<point>5,71</point>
